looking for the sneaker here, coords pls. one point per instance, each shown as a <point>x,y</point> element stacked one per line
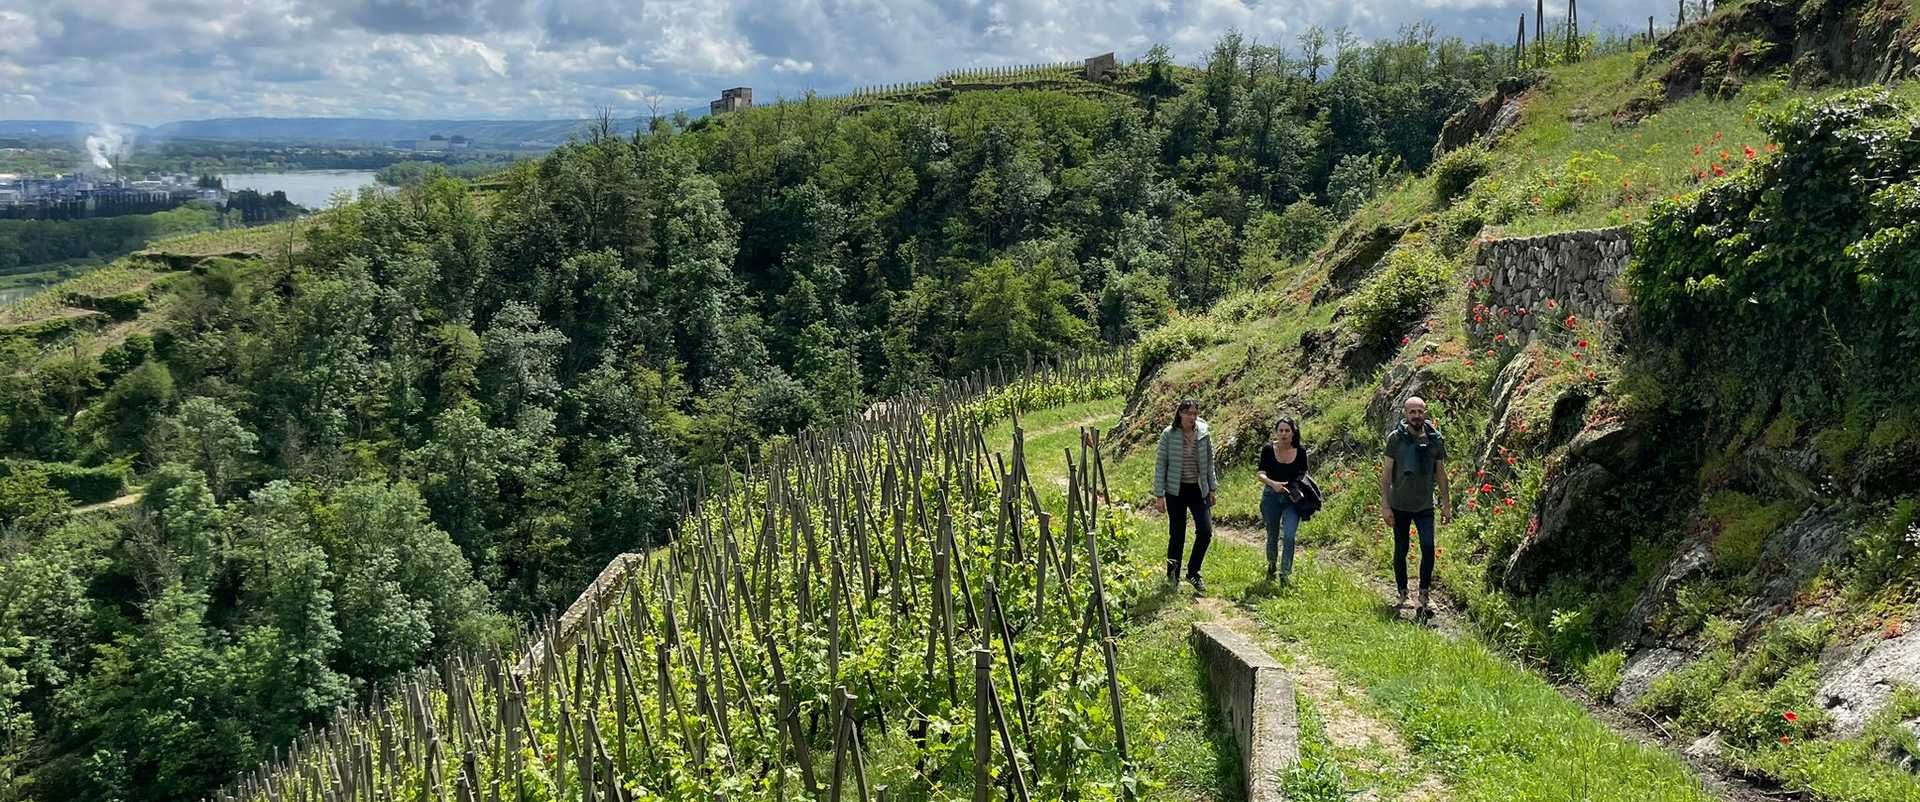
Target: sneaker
<point>1423,602</point>
<point>1271,571</point>
<point>1173,581</point>
<point>1199,589</point>
<point>1402,602</point>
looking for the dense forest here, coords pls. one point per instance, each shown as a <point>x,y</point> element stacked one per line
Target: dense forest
<point>452,406</point>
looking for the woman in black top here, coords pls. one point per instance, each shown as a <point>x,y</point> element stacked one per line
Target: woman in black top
<point>1282,460</point>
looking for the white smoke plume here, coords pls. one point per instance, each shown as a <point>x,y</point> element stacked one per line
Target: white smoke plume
<point>110,141</point>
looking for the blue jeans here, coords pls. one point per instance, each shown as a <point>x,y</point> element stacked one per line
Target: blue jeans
<point>1281,517</point>
<point>1423,521</point>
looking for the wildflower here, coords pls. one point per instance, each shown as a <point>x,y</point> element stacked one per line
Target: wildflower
<point>1791,717</point>
<point>1717,135</point>
<point>1509,501</point>
<point>1496,510</point>
<point>1499,338</point>
<point>1784,740</point>
<point>1590,376</point>
<point>1625,184</point>
<point>1439,552</point>
<point>1489,353</point>
<point>1718,170</point>
<point>1552,304</point>
<point>1469,363</point>
<point>1486,487</point>
<point>1572,320</point>
<point>1511,460</point>
<point>1724,156</point>
<point>1472,505</point>
<point>1533,525</point>
<point>1537,201</point>
<point>1748,149</point>
<point>1772,148</point>
<point>1404,340</point>
<point>1696,150</point>
<point>1522,312</point>
<point>1582,343</point>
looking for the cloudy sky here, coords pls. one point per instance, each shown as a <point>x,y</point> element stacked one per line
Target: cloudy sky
<point>151,61</point>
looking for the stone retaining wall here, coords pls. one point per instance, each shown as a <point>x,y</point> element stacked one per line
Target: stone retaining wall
<point>1579,271</point>
<point>1256,697</point>
<point>598,597</point>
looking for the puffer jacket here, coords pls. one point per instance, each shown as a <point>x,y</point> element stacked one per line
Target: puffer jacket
<point>1166,464</point>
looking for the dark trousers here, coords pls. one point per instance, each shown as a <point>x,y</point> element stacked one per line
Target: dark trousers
<point>1423,521</point>
<point>1189,499</point>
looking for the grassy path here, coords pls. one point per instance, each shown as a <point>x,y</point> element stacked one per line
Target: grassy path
<point>1392,711</point>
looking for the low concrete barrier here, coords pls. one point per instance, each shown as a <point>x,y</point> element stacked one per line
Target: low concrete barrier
<point>1256,696</point>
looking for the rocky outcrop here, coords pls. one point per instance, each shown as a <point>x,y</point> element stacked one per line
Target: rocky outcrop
<point>1859,679</point>
<point>1578,510</point>
<point>1643,668</point>
<point>1516,277</point>
<point>1353,257</point>
<point>1485,120</point>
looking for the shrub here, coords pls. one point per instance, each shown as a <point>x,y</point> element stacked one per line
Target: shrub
<point>1601,673</point>
<point>83,485</point>
<point>1414,278</point>
<point>1180,337</point>
<point>1457,171</point>
<point>1742,525</point>
<point>1887,554</point>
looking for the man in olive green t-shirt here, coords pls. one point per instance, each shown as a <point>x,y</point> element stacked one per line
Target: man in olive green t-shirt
<point>1415,468</point>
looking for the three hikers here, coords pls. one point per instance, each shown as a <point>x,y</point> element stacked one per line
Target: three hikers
<point>1413,476</point>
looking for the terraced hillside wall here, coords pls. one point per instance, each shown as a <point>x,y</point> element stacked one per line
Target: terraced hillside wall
<point>1515,278</point>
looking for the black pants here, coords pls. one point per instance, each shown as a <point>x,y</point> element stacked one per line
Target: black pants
<point>1189,499</point>
<point>1422,521</point>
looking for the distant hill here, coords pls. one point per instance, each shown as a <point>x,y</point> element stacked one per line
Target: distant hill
<point>327,130</point>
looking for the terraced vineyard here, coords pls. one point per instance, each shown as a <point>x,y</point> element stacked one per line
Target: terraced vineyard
<point>885,610</point>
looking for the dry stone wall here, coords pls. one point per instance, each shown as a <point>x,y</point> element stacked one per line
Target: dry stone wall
<point>1515,278</point>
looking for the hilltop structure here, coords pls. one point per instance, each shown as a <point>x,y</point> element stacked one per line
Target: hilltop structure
<point>735,99</point>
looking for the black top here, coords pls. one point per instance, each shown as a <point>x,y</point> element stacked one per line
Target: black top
<point>1270,464</point>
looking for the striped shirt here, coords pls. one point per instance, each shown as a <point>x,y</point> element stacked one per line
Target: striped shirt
<point>1189,464</point>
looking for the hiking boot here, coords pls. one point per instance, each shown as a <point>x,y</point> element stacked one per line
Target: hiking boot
<point>1271,571</point>
<point>1173,580</point>
<point>1424,606</point>
<point>1199,589</point>
<point>1402,602</point>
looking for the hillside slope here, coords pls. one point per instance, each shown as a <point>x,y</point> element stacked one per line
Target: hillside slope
<point>1664,329</point>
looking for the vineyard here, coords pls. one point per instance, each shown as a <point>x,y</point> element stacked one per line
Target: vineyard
<point>884,610</point>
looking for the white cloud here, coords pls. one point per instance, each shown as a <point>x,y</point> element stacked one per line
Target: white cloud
<point>150,61</point>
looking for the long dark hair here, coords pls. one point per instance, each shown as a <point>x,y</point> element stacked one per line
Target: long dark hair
<point>1184,405</point>
<point>1292,425</point>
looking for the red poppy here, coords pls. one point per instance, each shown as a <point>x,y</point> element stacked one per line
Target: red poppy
<point>1748,149</point>
<point>1552,304</point>
<point>1405,340</point>
<point>1784,740</point>
<point>1486,487</point>
<point>1510,502</point>
<point>1480,474</point>
<point>1717,135</point>
<point>1471,504</point>
<point>1489,352</point>
<point>1772,148</point>
<point>1790,716</point>
<point>1725,156</point>
<point>1533,525</point>
<point>1499,338</point>
<point>1523,311</point>
<point>1496,510</point>
<point>1469,363</point>
<point>1583,343</point>
<point>1696,150</point>
<point>1718,171</point>
<point>1572,320</point>
<point>1512,460</point>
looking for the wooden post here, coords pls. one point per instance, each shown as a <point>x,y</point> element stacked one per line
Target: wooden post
<point>982,724</point>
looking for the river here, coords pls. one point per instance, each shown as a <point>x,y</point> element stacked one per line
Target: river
<point>313,189</point>
<point>10,294</point>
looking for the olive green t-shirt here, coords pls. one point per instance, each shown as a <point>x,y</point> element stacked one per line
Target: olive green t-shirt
<point>1415,464</point>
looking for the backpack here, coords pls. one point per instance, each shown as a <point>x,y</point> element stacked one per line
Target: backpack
<point>1305,494</point>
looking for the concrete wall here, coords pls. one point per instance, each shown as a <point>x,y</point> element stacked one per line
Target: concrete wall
<point>1256,696</point>
<point>1514,278</point>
